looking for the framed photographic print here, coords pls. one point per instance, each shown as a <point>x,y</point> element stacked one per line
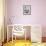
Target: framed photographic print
<point>26,9</point>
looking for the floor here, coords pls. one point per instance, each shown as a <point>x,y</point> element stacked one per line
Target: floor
<point>23,43</point>
<point>18,43</point>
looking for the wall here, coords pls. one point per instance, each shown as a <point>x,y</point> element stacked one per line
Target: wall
<point>1,20</point>
<point>38,12</point>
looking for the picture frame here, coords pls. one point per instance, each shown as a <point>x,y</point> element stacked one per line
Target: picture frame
<point>26,9</point>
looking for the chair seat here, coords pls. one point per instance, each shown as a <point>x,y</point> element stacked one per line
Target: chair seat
<point>18,33</point>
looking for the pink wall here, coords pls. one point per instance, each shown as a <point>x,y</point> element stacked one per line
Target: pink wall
<point>38,12</point>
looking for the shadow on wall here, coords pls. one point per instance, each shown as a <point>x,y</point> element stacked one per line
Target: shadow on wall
<point>44,34</point>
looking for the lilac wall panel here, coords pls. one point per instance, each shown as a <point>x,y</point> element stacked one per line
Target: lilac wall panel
<point>38,12</point>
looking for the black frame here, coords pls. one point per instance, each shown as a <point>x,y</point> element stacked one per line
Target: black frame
<point>28,8</point>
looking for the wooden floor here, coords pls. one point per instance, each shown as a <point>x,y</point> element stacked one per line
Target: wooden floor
<point>18,43</point>
<point>23,43</point>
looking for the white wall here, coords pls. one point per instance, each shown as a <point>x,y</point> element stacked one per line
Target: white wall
<point>1,19</point>
<point>38,12</point>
